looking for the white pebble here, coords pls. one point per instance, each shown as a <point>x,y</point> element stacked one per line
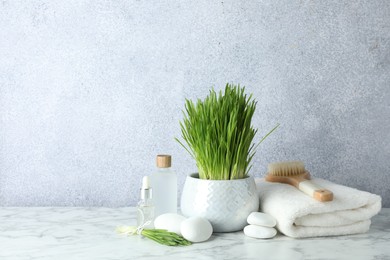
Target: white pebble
<point>170,222</point>
<point>259,232</point>
<point>196,229</point>
<point>261,219</point>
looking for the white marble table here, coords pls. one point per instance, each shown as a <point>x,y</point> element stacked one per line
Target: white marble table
<point>89,233</point>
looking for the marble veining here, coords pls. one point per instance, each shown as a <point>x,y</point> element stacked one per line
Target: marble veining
<point>89,233</point>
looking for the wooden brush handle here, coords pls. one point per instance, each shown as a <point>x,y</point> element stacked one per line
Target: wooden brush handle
<point>315,191</point>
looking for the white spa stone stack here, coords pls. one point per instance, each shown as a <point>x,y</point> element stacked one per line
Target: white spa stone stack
<point>261,225</point>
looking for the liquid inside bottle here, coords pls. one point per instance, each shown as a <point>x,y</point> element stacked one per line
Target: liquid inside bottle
<point>145,215</point>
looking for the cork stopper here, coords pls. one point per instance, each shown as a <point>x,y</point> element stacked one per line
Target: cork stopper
<point>163,161</point>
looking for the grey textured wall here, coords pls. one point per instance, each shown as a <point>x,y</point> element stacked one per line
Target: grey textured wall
<point>91,91</point>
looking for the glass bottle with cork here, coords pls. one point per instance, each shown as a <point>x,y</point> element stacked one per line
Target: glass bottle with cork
<point>164,183</point>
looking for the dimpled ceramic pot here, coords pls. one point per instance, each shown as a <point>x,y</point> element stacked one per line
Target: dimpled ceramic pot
<point>225,203</point>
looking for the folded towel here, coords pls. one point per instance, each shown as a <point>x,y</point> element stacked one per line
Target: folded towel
<point>299,215</point>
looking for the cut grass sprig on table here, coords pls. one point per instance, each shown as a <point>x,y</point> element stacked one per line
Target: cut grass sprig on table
<point>161,236</point>
<point>219,135</point>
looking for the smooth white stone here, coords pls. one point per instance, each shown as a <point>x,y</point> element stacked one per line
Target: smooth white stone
<point>261,219</point>
<point>196,229</point>
<point>259,232</point>
<point>170,222</point>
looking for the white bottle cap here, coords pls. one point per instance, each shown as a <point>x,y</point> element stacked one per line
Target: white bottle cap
<point>145,183</point>
<point>146,190</point>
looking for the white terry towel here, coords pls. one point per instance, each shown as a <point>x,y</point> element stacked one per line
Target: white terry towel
<point>299,215</point>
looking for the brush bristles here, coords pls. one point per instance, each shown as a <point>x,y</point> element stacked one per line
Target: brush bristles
<point>286,168</point>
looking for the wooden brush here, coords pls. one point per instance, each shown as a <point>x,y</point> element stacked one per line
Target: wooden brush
<point>294,173</point>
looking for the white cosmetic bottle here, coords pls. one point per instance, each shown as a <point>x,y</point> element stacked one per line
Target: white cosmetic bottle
<point>164,183</point>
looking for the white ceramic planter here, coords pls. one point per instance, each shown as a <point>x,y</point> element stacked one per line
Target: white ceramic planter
<point>225,203</point>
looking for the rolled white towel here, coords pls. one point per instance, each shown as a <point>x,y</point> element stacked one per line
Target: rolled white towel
<point>299,215</point>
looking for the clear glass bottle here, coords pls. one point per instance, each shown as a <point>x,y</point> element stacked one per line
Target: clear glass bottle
<point>164,183</point>
<point>145,207</point>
